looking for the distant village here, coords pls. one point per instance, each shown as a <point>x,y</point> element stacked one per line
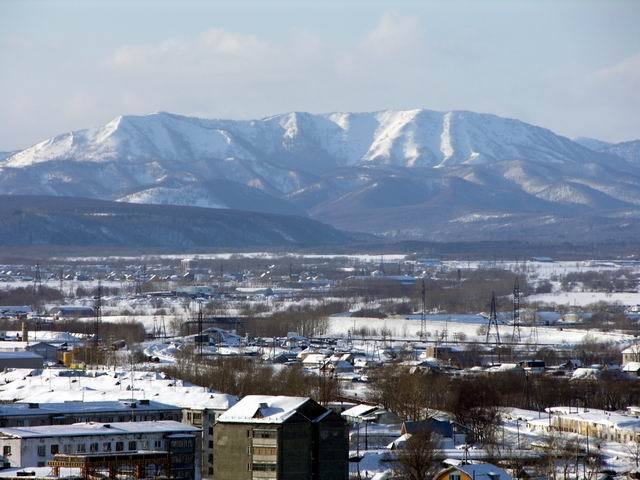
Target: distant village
<point>319,366</point>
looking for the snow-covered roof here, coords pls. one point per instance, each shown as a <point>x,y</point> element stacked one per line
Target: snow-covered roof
<point>594,416</point>
<point>632,350</point>
<point>59,408</point>
<point>631,367</point>
<point>359,410</point>
<point>91,428</point>
<point>54,385</point>
<point>482,471</point>
<point>18,354</point>
<point>263,409</point>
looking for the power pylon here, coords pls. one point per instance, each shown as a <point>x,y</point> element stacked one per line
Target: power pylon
<point>516,312</point>
<point>493,323</point>
<point>423,318</point>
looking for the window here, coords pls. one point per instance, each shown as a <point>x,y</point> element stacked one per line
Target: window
<point>54,449</point>
<point>82,448</point>
<point>210,470</point>
<point>265,433</point>
<point>93,447</point>
<point>264,450</point>
<point>268,467</point>
<point>68,448</point>
<point>119,446</point>
<point>106,447</point>
<point>210,443</point>
<point>42,450</point>
<point>157,444</point>
<point>211,458</point>
<point>6,450</point>
<point>454,476</point>
<point>133,445</point>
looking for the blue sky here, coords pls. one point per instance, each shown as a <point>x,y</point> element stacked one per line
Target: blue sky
<point>572,66</point>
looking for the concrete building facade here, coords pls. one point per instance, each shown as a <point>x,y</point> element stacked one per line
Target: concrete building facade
<point>36,446</point>
<point>283,438</point>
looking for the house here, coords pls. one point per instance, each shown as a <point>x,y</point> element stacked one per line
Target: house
<point>37,446</point>
<point>370,413</point>
<point>632,368</point>
<point>449,432</point>
<point>278,437</point>
<point>631,354</point>
<point>473,471</point>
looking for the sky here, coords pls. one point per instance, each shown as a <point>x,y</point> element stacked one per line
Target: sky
<point>571,66</point>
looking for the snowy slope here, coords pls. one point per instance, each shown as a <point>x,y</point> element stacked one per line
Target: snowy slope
<point>400,173</point>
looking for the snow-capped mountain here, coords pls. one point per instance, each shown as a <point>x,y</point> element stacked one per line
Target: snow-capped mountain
<point>416,173</point>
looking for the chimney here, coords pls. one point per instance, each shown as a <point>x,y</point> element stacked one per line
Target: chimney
<point>25,332</point>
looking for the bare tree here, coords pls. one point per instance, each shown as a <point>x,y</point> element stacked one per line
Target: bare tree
<point>419,459</point>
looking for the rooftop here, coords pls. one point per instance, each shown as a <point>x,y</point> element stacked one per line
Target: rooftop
<point>263,409</point>
<point>91,428</point>
<point>60,408</point>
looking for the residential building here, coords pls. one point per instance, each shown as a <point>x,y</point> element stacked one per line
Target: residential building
<point>203,414</point>
<point>473,471</point>
<point>631,354</point>
<point>608,426</point>
<point>37,446</point>
<point>284,438</point>
<point>66,413</point>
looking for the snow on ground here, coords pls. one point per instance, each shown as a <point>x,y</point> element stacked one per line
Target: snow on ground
<point>401,327</point>
<point>582,299</point>
<point>361,257</point>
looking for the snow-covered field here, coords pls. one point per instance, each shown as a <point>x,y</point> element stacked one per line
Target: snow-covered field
<point>400,327</point>
<point>583,299</point>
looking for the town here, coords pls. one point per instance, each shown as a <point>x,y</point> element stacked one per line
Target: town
<point>270,365</point>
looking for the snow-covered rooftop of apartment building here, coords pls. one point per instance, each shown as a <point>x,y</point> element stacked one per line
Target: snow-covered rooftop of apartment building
<point>54,408</point>
<point>62,385</point>
<point>91,428</point>
<point>263,409</point>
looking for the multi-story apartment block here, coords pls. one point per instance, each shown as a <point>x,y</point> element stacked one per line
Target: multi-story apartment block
<point>283,438</point>
<point>37,446</point>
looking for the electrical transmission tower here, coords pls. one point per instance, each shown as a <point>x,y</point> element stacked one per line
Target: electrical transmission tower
<point>517,338</point>
<point>493,323</point>
<point>423,318</point>
<point>37,279</point>
<point>97,311</point>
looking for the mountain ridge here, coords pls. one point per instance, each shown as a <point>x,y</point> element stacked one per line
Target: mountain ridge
<point>361,171</point>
